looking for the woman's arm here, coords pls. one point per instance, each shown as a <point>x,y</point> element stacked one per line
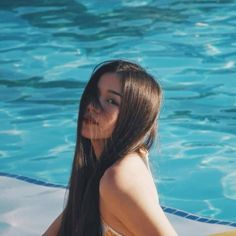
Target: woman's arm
<point>53,229</point>
<point>131,196</point>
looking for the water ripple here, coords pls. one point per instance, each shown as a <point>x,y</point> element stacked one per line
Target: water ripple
<point>48,49</point>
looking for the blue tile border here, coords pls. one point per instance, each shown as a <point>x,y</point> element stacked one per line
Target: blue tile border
<point>193,217</point>
<point>32,181</point>
<point>170,210</point>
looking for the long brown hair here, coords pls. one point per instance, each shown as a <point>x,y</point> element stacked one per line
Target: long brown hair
<point>135,130</point>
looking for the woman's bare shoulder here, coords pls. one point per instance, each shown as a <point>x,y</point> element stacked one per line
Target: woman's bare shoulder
<point>129,172</point>
<point>130,194</point>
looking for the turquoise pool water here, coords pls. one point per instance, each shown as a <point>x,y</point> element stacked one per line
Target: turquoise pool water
<point>47,51</point>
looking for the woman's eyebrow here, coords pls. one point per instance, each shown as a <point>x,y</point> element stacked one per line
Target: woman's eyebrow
<point>114,92</point>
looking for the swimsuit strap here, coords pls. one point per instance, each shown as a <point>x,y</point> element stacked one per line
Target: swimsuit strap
<point>108,231</point>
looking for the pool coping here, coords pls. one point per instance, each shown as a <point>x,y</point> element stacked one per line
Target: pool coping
<point>166,209</point>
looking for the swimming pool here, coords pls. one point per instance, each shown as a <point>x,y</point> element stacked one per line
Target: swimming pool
<point>48,50</point>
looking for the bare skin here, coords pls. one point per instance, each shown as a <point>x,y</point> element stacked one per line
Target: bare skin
<point>129,200</point>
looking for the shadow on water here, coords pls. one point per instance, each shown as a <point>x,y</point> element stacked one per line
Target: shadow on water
<point>114,22</point>
<point>12,4</point>
<point>36,82</point>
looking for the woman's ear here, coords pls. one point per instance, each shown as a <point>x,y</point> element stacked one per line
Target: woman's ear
<point>142,151</point>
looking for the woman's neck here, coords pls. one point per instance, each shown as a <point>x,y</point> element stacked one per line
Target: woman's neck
<point>98,146</point>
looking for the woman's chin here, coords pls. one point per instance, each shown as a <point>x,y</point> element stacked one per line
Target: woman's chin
<point>86,135</point>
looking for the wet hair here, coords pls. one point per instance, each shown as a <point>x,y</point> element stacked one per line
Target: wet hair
<point>135,130</point>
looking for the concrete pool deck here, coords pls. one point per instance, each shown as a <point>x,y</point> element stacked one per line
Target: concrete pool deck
<point>27,209</point>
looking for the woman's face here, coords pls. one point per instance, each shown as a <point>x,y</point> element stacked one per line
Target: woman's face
<point>99,122</point>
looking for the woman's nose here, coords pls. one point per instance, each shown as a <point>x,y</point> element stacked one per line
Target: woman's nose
<point>93,107</point>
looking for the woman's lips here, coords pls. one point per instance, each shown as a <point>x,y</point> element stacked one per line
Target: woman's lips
<point>90,120</point>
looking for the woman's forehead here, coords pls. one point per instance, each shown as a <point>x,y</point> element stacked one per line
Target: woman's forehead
<point>110,81</point>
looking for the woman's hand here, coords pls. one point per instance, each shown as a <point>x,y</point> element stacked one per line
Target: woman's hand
<point>53,229</point>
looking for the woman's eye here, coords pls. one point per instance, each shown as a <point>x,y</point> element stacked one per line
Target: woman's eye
<point>111,101</point>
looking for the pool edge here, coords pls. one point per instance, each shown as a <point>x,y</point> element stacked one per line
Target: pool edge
<point>170,210</point>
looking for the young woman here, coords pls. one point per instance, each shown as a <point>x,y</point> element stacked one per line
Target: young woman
<point>111,190</point>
